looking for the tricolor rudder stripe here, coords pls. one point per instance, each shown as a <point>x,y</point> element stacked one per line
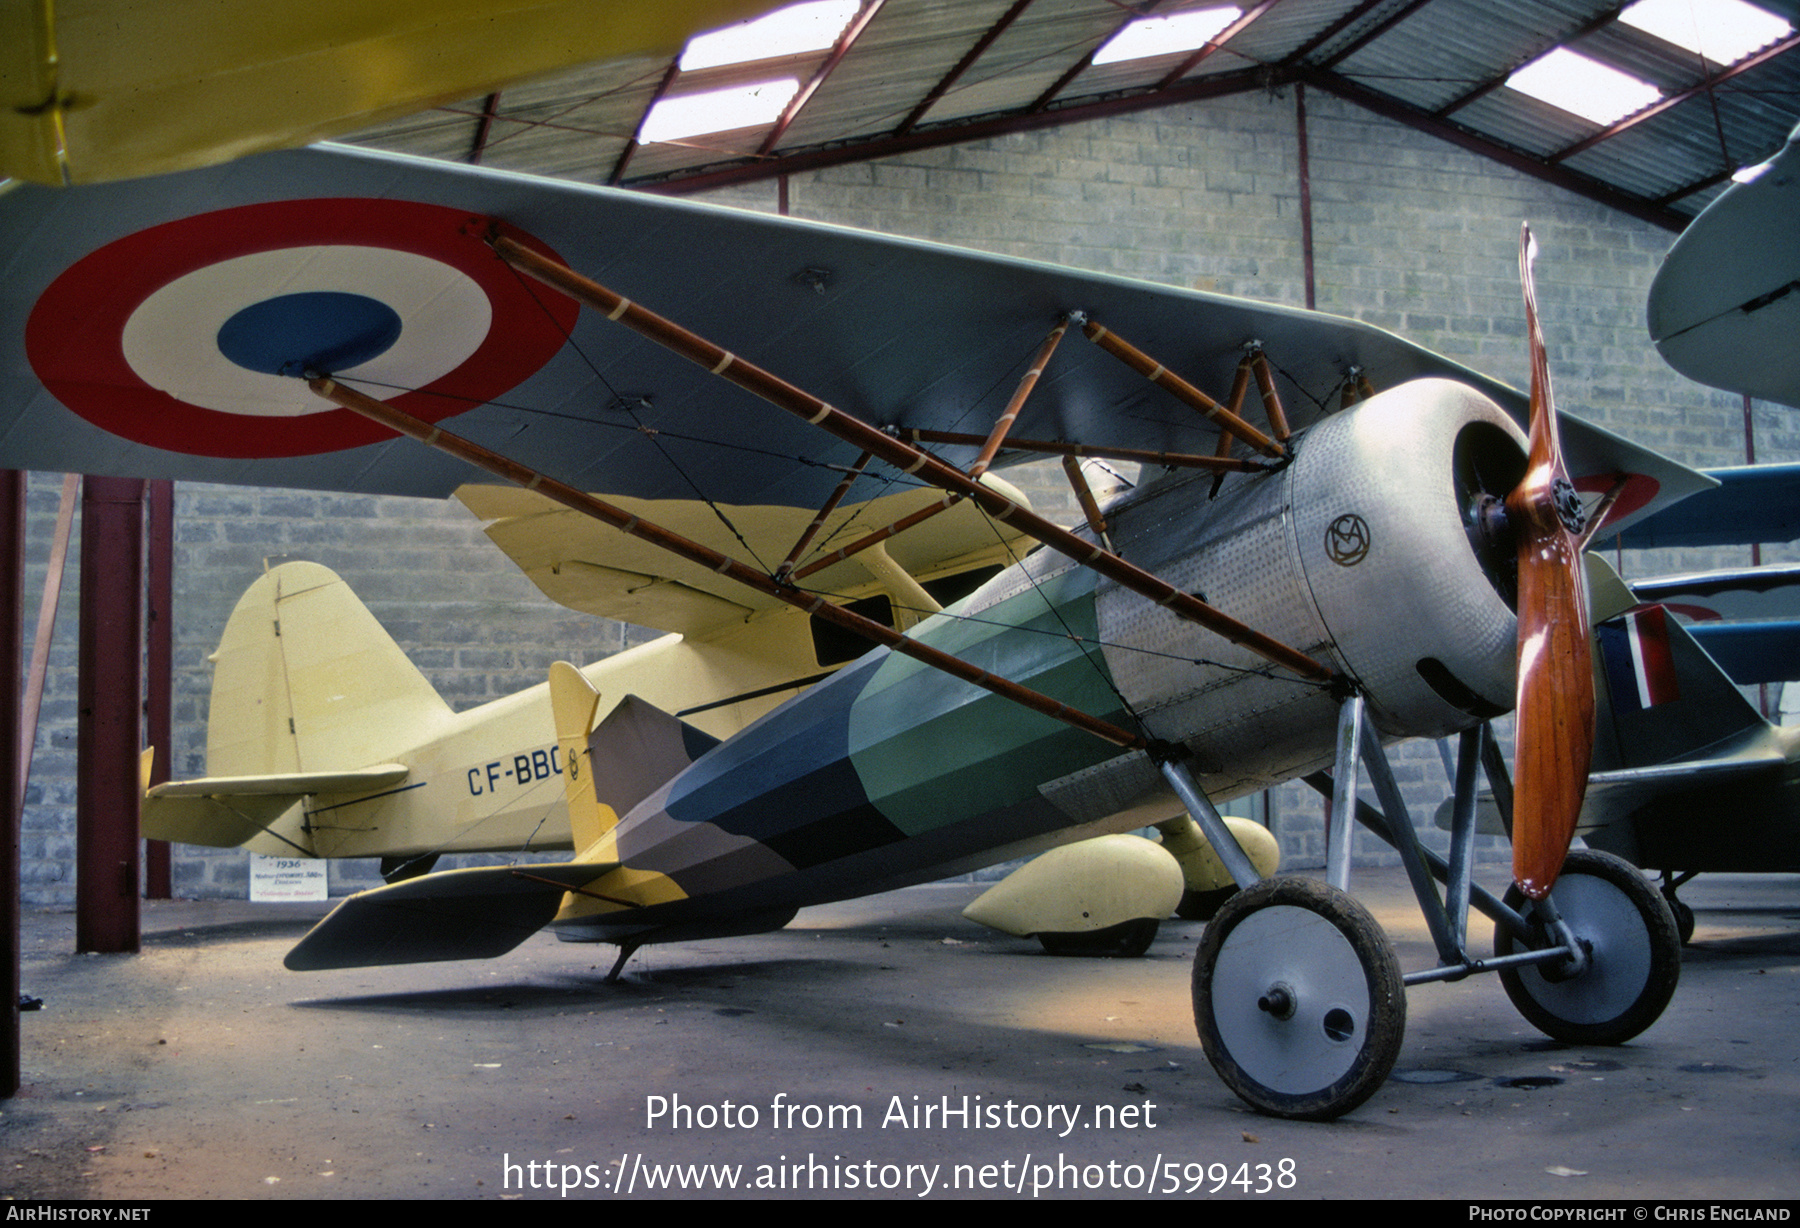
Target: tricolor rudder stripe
<point>1640,670</point>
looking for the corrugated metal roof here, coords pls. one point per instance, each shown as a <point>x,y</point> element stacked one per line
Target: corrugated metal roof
<point>926,72</point>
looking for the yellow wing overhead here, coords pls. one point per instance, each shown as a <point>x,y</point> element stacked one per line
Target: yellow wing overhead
<point>587,566</point>
<point>108,89</point>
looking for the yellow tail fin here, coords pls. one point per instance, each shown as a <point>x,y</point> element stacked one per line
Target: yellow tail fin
<point>306,680</point>
<point>574,701</point>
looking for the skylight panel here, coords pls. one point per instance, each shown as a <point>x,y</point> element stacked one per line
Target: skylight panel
<point>1583,87</point>
<point>1166,35</point>
<point>1723,31</point>
<point>794,30</point>
<point>740,106</point>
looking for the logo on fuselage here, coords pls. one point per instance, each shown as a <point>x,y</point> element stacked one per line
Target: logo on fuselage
<point>1347,540</point>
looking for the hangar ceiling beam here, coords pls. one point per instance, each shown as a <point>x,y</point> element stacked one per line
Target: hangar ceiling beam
<point>1218,85</point>
<point>839,50</point>
<point>1773,51</point>
<point>1371,34</point>
<point>490,106</point>
<point>1215,43</point>
<point>1560,176</point>
<point>1331,31</point>
<point>962,66</point>
<point>1043,100</point>
<point>1598,22</point>
<point>631,146</point>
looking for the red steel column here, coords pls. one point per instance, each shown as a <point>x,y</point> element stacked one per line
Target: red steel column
<point>159,665</point>
<point>12,634</point>
<point>110,714</point>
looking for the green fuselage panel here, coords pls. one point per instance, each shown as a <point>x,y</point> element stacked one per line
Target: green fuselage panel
<point>931,750</point>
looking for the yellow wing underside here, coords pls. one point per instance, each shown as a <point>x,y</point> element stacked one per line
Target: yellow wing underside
<point>109,89</point>
<point>588,566</point>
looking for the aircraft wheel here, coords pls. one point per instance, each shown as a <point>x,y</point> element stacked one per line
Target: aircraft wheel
<point>1298,999</point>
<point>1127,940</point>
<point>1203,905</point>
<point>1684,918</point>
<point>1633,950</point>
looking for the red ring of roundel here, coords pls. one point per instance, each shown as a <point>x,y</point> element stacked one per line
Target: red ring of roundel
<point>74,335</point>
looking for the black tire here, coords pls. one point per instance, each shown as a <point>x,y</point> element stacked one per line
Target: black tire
<point>1203,905</point>
<point>1298,999</point>
<point>1126,940</point>
<point>1633,948</point>
<point>1684,919</point>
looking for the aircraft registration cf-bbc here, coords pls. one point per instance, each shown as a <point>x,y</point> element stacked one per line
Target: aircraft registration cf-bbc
<point>1327,556</point>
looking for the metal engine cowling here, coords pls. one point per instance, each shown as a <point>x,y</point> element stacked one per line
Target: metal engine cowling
<point>1359,553</point>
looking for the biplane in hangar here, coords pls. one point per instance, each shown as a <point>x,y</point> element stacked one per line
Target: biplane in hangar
<point>1295,584</point>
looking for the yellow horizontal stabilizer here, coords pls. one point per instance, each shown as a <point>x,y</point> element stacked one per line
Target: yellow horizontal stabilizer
<point>108,89</point>
<point>226,811</point>
<point>297,784</point>
<point>219,823</point>
<point>459,914</point>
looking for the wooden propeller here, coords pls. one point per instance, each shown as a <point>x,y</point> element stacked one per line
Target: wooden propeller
<point>1555,736</point>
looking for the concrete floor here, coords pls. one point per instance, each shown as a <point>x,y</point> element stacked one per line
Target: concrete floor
<point>202,1068</point>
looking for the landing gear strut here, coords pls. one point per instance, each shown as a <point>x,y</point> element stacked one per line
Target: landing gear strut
<point>1298,996</point>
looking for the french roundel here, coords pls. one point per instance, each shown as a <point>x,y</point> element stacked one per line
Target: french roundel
<point>195,336</point>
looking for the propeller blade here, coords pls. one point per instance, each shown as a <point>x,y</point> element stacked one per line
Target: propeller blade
<point>1555,735</point>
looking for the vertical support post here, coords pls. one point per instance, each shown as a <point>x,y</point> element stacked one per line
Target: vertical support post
<point>1342,822</point>
<point>1237,862</point>
<point>159,665</point>
<point>1304,160</point>
<point>1406,842</point>
<point>1003,424</point>
<point>1084,495</point>
<point>1462,833</point>
<point>818,522</point>
<point>1499,778</point>
<point>46,627</point>
<point>109,714</point>
<point>12,767</point>
<point>1762,688</point>
<point>1271,399</point>
<point>1240,383</point>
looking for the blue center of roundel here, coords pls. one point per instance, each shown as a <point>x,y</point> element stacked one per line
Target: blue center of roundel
<point>319,331</point>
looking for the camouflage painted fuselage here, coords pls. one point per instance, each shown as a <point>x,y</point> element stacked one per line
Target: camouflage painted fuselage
<point>892,773</point>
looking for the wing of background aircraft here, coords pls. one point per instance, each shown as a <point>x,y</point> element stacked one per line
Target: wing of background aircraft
<point>1751,503</point>
<point>586,566</point>
<point>1747,619</point>
<point>106,89</point>
<point>156,328</point>
<point>1723,308</point>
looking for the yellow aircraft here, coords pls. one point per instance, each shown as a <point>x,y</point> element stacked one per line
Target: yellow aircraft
<point>324,740</point>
